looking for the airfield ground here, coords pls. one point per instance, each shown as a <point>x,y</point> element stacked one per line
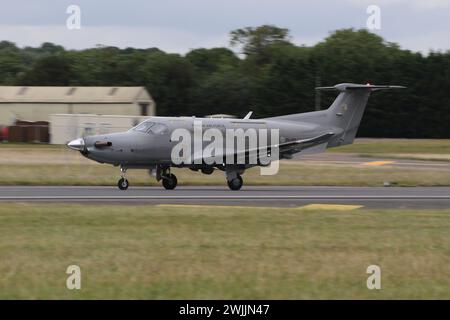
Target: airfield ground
<point>220,251</point>
<point>163,252</point>
<point>369,162</point>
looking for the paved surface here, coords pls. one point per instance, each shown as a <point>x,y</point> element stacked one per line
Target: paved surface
<point>355,159</point>
<point>276,196</point>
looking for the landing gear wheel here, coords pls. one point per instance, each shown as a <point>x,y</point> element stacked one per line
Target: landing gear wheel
<point>208,170</point>
<point>236,183</point>
<point>170,182</point>
<point>123,184</point>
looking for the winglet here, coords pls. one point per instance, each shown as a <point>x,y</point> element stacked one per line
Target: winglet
<point>248,115</point>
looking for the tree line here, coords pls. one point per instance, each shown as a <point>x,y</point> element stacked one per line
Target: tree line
<point>268,75</point>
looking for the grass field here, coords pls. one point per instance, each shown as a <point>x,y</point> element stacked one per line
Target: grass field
<point>44,165</point>
<point>290,174</point>
<point>415,149</point>
<point>397,146</point>
<point>155,252</point>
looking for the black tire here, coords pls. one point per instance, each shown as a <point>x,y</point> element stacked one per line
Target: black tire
<point>208,170</point>
<point>123,184</point>
<point>236,183</point>
<point>170,182</point>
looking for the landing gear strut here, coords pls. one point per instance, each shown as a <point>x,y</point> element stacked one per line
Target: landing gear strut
<point>169,180</point>
<point>123,182</point>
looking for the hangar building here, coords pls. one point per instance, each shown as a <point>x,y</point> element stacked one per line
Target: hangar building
<point>37,103</point>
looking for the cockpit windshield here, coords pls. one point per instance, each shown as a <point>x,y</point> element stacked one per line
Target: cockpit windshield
<point>151,127</point>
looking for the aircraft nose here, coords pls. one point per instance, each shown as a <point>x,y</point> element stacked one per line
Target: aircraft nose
<point>77,144</point>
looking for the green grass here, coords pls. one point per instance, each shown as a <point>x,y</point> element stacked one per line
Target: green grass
<point>291,173</point>
<point>397,146</point>
<point>151,252</point>
<point>47,165</point>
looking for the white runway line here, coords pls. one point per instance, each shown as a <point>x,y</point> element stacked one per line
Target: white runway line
<point>220,197</point>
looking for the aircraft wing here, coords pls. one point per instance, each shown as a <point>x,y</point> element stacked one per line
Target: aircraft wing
<point>286,149</point>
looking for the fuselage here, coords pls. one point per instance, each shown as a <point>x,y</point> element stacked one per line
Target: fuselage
<point>152,143</point>
<point>141,148</point>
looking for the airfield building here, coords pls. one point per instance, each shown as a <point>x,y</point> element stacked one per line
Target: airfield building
<point>38,103</point>
<point>57,114</point>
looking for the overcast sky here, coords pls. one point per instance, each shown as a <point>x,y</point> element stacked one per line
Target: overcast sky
<point>181,25</point>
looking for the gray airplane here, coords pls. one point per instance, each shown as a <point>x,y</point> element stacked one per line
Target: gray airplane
<point>149,144</point>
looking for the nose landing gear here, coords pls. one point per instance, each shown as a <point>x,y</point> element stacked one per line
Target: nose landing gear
<point>123,182</point>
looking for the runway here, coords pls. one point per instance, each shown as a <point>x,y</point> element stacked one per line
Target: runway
<point>352,159</point>
<point>276,196</point>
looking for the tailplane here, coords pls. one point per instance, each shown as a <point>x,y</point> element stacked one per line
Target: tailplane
<point>348,108</point>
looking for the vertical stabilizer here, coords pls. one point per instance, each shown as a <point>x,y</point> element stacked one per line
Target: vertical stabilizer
<point>348,108</point>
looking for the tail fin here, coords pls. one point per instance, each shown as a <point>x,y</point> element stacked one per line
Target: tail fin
<point>348,108</point>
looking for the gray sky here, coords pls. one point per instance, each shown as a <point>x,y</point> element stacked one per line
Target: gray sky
<point>181,25</point>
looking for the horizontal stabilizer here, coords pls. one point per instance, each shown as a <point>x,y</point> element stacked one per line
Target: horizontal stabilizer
<point>354,86</point>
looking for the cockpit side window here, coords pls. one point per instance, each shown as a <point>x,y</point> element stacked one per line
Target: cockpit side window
<point>151,127</point>
<point>158,128</point>
<point>144,126</point>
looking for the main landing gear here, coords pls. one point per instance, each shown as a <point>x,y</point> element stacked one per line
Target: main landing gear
<point>236,183</point>
<point>234,179</point>
<point>169,181</point>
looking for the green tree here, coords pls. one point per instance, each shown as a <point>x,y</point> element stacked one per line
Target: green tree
<point>285,85</point>
<point>208,61</point>
<point>48,71</point>
<point>11,64</point>
<point>254,41</point>
<point>272,77</point>
<point>170,79</point>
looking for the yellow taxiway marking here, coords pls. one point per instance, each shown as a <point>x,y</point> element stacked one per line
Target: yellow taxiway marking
<point>377,163</point>
<point>313,206</point>
<point>339,207</point>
